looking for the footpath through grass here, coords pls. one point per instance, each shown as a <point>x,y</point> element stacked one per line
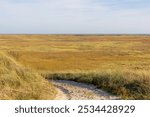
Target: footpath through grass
<point>127,84</point>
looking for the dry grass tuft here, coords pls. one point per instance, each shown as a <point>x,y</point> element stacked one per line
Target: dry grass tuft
<point>17,82</point>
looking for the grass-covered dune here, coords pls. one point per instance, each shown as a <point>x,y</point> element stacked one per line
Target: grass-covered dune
<point>18,82</point>
<point>127,84</point>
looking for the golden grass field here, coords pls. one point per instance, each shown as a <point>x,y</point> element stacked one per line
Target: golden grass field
<point>80,53</point>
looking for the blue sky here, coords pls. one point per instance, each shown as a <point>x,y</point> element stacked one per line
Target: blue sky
<point>75,16</point>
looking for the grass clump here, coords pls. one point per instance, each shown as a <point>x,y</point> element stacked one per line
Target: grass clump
<point>19,83</point>
<point>14,54</point>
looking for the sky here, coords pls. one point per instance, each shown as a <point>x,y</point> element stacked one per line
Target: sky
<point>75,16</point>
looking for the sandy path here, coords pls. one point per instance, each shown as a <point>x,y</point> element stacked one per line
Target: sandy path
<point>70,90</point>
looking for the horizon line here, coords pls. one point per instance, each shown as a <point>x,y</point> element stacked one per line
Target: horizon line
<point>74,33</point>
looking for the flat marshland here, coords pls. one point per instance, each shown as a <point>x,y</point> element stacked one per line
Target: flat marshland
<point>118,64</point>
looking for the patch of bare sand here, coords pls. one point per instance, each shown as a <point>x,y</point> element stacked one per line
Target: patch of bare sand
<point>70,90</point>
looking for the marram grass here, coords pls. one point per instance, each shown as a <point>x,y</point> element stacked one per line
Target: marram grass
<point>20,83</point>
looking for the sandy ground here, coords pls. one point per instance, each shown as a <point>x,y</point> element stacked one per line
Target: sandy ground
<point>70,90</point>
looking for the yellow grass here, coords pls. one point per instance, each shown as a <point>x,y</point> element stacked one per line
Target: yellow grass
<point>17,82</point>
<point>84,54</point>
